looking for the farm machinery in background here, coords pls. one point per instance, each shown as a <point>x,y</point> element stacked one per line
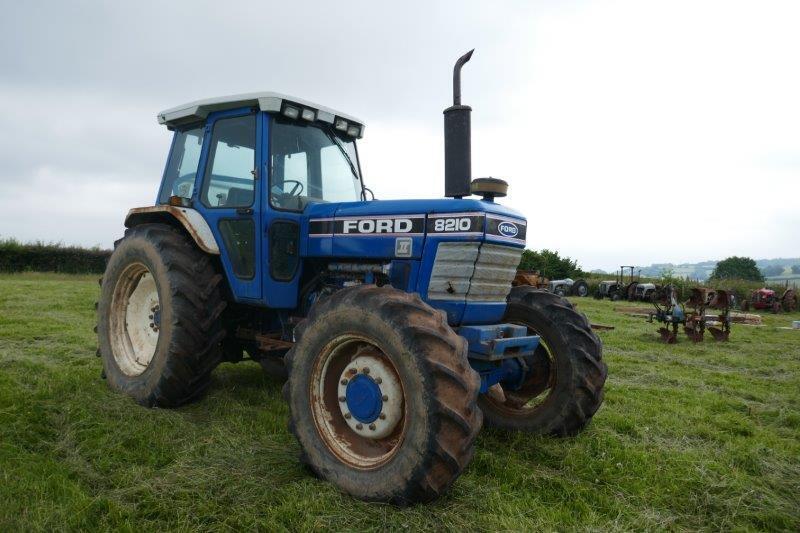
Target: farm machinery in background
<point>672,314</point>
<point>627,286</point>
<point>768,300</point>
<point>560,287</point>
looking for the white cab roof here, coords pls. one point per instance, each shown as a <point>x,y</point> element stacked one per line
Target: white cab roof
<point>266,101</point>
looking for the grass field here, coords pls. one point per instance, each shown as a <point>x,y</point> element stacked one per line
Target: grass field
<point>690,437</point>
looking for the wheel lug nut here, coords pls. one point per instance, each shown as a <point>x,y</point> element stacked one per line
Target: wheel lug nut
<point>150,317</point>
<point>359,426</point>
<point>382,416</point>
<point>342,398</point>
<point>352,371</point>
<point>365,370</point>
<point>347,416</point>
<point>372,427</point>
<point>378,381</point>
<point>151,324</point>
<point>384,398</point>
<point>343,382</point>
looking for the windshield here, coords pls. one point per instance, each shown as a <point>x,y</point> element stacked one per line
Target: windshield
<point>311,164</point>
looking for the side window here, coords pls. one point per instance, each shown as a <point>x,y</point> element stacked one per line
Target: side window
<point>229,179</point>
<point>182,165</point>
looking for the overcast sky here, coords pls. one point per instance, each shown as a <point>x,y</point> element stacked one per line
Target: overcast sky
<point>630,132</point>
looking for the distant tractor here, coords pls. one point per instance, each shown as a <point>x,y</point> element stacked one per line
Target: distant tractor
<point>561,287</point>
<point>530,278</point>
<point>568,287</point>
<point>394,322</point>
<point>768,299</point>
<point>620,288</point>
<point>645,292</point>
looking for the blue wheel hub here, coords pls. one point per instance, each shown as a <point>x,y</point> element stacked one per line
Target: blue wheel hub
<point>364,399</point>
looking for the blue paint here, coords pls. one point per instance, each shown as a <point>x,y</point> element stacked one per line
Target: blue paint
<point>509,373</point>
<point>499,341</point>
<point>364,399</point>
<point>244,290</point>
<point>410,274</point>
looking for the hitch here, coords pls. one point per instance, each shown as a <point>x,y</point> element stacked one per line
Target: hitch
<point>501,353</point>
<point>499,341</point>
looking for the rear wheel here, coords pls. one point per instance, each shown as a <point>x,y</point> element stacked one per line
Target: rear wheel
<point>158,328</point>
<point>565,388</point>
<point>580,288</point>
<point>381,396</point>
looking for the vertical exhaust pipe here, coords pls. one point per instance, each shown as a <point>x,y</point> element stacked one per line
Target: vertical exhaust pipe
<point>457,139</point>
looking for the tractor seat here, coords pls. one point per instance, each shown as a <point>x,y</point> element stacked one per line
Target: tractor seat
<point>239,197</point>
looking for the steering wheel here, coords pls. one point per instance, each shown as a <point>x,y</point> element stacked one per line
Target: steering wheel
<point>296,191</point>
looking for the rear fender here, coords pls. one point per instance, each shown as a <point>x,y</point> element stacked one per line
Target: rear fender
<point>189,219</point>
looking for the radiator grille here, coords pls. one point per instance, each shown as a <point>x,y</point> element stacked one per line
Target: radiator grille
<point>471,271</point>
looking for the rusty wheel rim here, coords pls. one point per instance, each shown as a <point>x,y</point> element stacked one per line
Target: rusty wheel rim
<point>363,443</point>
<point>134,319</point>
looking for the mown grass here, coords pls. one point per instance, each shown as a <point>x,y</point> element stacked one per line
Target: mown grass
<point>690,437</point>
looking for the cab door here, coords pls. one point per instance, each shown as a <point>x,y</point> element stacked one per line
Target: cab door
<point>230,199</point>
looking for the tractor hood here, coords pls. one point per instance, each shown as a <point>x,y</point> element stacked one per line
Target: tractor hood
<point>399,229</point>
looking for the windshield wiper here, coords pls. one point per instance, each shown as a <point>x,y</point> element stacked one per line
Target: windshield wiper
<point>332,136</point>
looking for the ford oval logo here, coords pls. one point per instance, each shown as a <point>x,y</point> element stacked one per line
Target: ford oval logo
<point>508,229</point>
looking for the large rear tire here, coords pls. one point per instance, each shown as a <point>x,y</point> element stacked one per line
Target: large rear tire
<point>158,325</point>
<point>565,391</point>
<point>403,361</point>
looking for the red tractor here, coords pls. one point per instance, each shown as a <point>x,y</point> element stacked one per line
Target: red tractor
<point>768,299</point>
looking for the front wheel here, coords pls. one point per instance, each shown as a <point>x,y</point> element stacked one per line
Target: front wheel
<point>565,386</point>
<point>381,396</point>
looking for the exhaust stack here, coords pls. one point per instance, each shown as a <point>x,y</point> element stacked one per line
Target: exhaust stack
<point>457,139</point>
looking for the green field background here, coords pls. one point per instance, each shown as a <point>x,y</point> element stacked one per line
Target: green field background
<point>703,436</point>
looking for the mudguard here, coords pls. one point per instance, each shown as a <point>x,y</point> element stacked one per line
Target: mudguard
<point>191,220</point>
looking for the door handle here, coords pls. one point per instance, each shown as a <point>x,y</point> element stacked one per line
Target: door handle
<point>244,211</point>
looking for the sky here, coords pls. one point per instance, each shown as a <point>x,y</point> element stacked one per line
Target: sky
<point>630,132</point>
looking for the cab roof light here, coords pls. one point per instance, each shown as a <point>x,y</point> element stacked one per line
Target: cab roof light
<point>353,130</point>
<point>291,111</point>
<point>340,124</point>
<point>308,114</point>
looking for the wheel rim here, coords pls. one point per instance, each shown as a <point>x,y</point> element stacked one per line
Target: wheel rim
<point>357,401</point>
<point>583,290</point>
<point>135,320</point>
<point>535,392</point>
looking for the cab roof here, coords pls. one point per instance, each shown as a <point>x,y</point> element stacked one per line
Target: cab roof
<point>266,101</point>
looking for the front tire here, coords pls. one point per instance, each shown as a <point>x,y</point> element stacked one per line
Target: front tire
<point>566,388</point>
<point>402,361</point>
<point>158,325</point>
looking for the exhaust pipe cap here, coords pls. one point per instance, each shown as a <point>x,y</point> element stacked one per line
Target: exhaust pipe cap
<point>490,188</point>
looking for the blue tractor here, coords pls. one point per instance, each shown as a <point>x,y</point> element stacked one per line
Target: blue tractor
<point>393,322</point>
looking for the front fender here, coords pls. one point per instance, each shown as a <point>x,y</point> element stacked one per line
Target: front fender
<point>191,220</point>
